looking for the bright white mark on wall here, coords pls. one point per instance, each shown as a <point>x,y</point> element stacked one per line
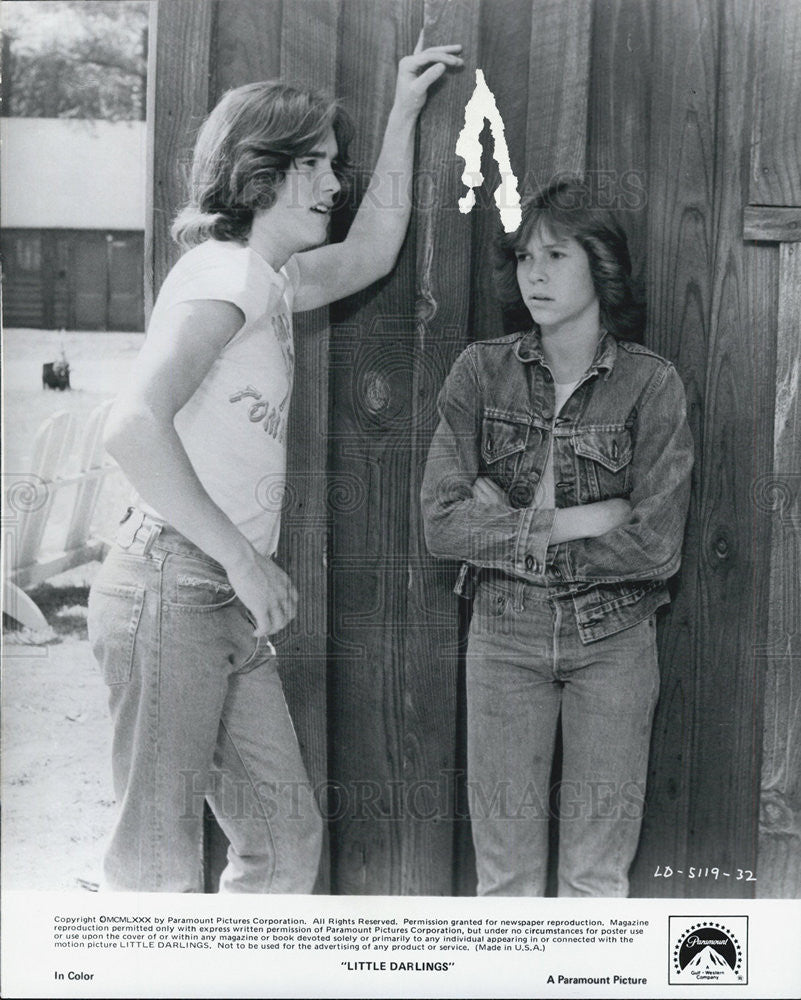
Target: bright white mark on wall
<point>481,107</point>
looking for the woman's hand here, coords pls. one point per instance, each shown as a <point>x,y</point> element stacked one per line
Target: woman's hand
<point>265,590</point>
<point>418,71</point>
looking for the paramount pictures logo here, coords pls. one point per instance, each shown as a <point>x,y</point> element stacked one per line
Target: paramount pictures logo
<point>708,950</point>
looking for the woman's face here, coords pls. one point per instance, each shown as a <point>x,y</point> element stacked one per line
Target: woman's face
<point>553,274</point>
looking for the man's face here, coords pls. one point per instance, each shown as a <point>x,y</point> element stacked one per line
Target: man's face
<point>302,208</point>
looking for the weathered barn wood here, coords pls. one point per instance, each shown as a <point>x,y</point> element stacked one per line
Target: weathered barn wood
<point>681,67</point>
<point>177,101</point>
<point>732,542</point>
<point>779,493</point>
<point>618,126</point>
<point>775,179</point>
<point>441,329</point>
<point>371,386</point>
<point>776,163</point>
<point>656,102</point>
<point>774,225</point>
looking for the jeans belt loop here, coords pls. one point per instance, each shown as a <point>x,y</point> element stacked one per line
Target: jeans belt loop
<point>154,530</point>
<point>138,529</point>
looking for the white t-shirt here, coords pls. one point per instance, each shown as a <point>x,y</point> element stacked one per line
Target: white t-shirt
<point>234,426</point>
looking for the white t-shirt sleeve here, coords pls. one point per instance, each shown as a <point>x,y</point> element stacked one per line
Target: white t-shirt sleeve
<point>225,272</point>
<point>291,271</point>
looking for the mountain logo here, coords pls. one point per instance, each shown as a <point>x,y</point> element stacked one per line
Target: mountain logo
<point>708,950</point>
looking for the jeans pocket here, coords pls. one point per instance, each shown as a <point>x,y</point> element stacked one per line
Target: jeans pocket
<point>195,586</point>
<point>202,593</point>
<point>113,621</point>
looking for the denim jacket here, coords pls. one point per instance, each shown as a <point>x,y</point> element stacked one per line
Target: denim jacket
<point>622,433</point>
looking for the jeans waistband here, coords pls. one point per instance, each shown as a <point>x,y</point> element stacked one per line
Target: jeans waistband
<point>522,592</point>
<point>139,533</point>
<point>506,582</point>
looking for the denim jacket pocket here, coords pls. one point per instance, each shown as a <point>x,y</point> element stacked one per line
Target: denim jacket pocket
<point>503,441</point>
<point>604,459</point>
<point>113,621</point>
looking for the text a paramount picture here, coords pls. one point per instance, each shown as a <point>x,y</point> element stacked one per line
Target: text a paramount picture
<point>401,491</point>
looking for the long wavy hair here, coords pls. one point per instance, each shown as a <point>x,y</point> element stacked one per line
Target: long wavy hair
<point>243,151</point>
<point>566,209</point>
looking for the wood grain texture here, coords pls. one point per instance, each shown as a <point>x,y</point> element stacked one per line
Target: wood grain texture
<point>724,799</point>
<point>247,43</point>
<point>503,48</point>
<point>308,56</point>
<point>441,328</point>
<point>618,119</point>
<point>774,225</point>
<point>178,100</point>
<point>680,262</point>
<point>559,63</point>
<point>776,137</point>
<point>779,493</point>
<point>370,378</point>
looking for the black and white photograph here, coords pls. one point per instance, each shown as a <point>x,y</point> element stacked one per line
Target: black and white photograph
<point>401,498</point>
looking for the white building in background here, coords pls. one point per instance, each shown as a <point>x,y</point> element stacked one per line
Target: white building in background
<point>72,210</point>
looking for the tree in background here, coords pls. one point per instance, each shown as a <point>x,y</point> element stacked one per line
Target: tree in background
<point>75,59</point>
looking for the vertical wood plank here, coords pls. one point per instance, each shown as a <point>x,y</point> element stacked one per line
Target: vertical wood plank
<point>308,57</point>
<point>441,330</point>
<point>177,101</point>
<point>503,50</point>
<point>704,767</point>
<point>680,261</point>
<point>247,43</point>
<point>737,428</point>
<point>776,164</point>
<point>369,459</point>
<point>618,132</point>
<point>556,139</point>
<point>779,493</point>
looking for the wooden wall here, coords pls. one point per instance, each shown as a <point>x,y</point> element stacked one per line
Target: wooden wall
<point>657,103</point>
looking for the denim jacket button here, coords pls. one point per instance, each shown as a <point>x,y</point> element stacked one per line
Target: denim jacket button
<point>531,565</point>
<point>521,495</point>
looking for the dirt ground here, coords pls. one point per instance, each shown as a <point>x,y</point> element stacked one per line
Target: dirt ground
<point>57,798</point>
<point>56,777</point>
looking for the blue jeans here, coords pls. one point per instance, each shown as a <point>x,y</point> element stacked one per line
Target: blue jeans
<point>199,714</point>
<point>526,664</point>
